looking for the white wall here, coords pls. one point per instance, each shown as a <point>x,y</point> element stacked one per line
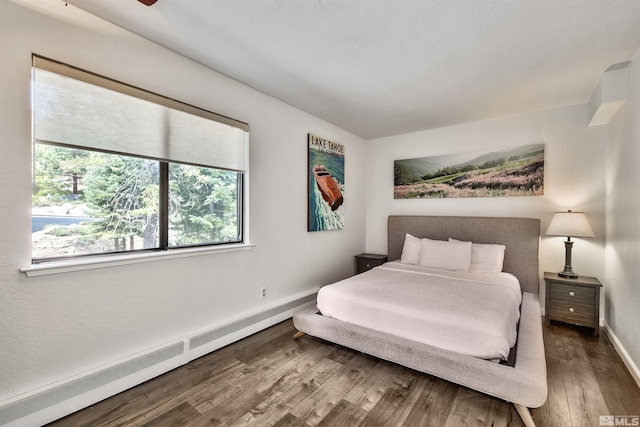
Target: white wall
<point>56,326</point>
<point>622,253</point>
<point>574,179</point>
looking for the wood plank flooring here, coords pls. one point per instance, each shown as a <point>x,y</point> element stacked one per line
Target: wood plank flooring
<point>269,379</point>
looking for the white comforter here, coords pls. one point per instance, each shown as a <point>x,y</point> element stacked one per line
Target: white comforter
<point>471,314</point>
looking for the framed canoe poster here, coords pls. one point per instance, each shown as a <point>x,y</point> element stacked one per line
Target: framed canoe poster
<point>326,184</point>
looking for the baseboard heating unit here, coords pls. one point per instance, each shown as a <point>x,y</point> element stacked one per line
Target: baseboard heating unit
<point>72,394</point>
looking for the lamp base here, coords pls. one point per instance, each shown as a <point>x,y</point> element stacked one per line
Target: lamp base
<point>568,274</point>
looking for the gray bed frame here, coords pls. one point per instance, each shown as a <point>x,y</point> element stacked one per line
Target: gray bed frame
<point>525,384</point>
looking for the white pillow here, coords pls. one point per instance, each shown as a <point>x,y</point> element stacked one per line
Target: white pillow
<point>411,249</point>
<point>485,258</point>
<point>445,255</point>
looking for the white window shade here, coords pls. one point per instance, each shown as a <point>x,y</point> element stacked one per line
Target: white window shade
<point>222,145</point>
<point>79,109</point>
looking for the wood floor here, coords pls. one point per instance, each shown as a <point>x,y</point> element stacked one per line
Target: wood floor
<point>271,379</point>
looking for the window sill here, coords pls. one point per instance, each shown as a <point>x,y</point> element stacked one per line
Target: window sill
<point>56,267</point>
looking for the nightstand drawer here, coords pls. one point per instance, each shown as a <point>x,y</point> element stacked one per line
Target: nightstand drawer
<point>572,312</point>
<point>572,293</point>
<point>366,262</point>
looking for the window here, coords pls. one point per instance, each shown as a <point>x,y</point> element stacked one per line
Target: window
<point>118,169</point>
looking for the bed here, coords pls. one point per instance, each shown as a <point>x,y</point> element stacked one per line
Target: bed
<point>524,382</point>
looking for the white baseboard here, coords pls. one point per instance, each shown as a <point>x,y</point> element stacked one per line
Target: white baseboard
<point>57,400</point>
<point>631,366</point>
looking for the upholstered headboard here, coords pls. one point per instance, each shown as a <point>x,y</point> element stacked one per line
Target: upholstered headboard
<point>521,236</point>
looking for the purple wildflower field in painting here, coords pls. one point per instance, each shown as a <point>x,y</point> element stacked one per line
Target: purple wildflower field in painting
<point>515,171</point>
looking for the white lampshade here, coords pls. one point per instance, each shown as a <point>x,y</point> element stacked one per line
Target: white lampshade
<point>569,224</point>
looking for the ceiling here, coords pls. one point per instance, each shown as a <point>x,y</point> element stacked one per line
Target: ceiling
<point>380,67</point>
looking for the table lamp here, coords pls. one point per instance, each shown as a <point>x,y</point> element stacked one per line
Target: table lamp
<point>570,224</point>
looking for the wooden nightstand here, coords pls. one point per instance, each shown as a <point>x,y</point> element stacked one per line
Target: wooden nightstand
<point>366,262</point>
<point>575,301</point>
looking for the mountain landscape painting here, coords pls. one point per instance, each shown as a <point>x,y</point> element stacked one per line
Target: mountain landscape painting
<point>513,171</point>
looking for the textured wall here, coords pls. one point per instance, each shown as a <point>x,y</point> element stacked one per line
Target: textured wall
<point>574,179</point>
<point>622,267</point>
<point>53,327</point>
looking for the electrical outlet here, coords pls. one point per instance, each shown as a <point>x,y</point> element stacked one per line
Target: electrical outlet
<point>263,293</point>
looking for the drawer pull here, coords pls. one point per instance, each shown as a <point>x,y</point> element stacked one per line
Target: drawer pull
<point>368,265</point>
<point>572,294</point>
<point>571,310</point>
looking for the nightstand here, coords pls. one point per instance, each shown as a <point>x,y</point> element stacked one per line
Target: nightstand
<point>575,301</point>
<point>366,262</point>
